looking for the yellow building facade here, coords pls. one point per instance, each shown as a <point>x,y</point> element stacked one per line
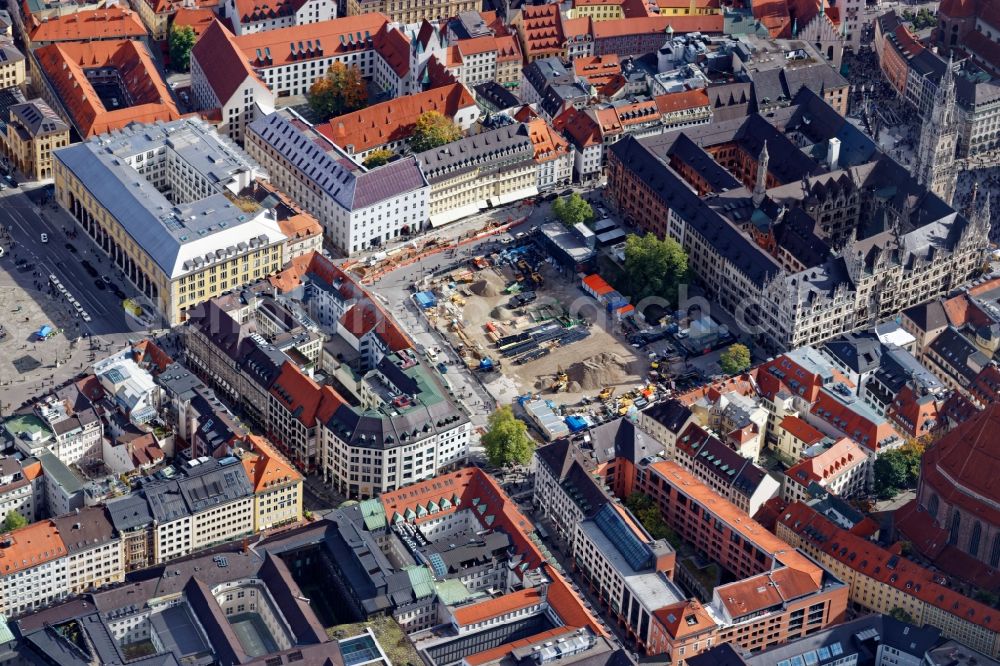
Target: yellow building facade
<point>34,130</point>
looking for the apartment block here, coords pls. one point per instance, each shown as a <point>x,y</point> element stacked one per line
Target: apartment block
<point>411,11</point>
<point>95,558</point>
<point>277,485</point>
<point>32,568</point>
<point>22,490</point>
<point>492,168</point>
<point>881,580</point>
<point>842,467</point>
<point>34,130</point>
<point>210,241</point>
<point>249,16</point>
<point>359,208</point>
<point>12,65</point>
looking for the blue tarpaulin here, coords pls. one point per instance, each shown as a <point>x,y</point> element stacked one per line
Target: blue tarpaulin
<point>576,423</point>
<point>425,299</point>
<point>44,331</point>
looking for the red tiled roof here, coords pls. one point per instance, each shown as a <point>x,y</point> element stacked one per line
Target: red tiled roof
<point>957,8</point>
<point>395,119</point>
<point>708,23</point>
<point>303,397</point>
<point>842,456</point>
<point>498,606</point>
<point>581,128</point>
<point>852,423</point>
<point>567,605</point>
<point>265,466</point>
<point>547,144</point>
<point>681,101</point>
<point>92,24</point>
<point>147,351</point>
<point>367,316</point>
<point>198,19</point>
<point>742,384</point>
<point>914,414</point>
<point>220,58</point>
<point>872,560</point>
<point>685,619</point>
<point>770,378</point>
<point>576,27</point>
<point>394,47</point>
<point>773,15</point>
<point>63,64</point>
<point>328,34</point>
<point>961,310</point>
<point>963,464</point>
<point>249,11</point>
<point>542,32</point>
<point>31,546</point>
<point>801,430</point>
<point>765,590</point>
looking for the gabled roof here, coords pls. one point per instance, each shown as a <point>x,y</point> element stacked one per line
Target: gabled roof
<point>393,46</point>
<point>29,547</point>
<point>395,119</point>
<point>801,430</point>
<point>222,61</point>
<point>312,41</point>
<point>196,18</point>
<point>265,467</point>
<point>831,463</point>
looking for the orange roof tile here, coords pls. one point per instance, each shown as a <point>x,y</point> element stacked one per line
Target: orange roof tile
<point>542,32</point>
<point>63,65</point>
<point>337,36</point>
<point>873,561</point>
<point>547,144</point>
<point>265,467</point>
<point>32,470</point>
<point>681,101</point>
<point>735,518</point>
<point>801,430</point>
<point>568,606</point>
<point>685,619</point>
<point>148,352</point>
<point>302,396</point>
<point>498,606</point>
<point>249,11</point>
<point>223,63</point>
<point>197,18</point>
<point>576,27</point>
<point>742,384</point>
<point>710,23</point>
<point>30,546</point>
<point>597,70</point>
<point>854,424</point>
<point>845,454</point>
<point>92,24</point>
<point>394,120</point>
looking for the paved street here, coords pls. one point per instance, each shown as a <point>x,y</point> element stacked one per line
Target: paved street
<point>23,221</point>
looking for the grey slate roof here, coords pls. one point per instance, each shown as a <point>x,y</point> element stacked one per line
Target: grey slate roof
<point>492,150</point>
<point>38,118</point>
<point>130,512</point>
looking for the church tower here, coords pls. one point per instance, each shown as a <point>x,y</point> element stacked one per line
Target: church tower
<point>935,167</point>
<point>760,188</point>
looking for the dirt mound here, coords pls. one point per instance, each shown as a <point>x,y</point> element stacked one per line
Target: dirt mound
<point>484,288</point>
<point>573,387</point>
<point>501,313</point>
<point>599,371</point>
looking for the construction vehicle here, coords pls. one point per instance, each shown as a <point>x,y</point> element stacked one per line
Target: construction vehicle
<point>606,393</point>
<point>623,405</point>
<point>560,382</point>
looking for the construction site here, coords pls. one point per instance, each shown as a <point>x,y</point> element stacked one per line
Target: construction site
<point>516,319</point>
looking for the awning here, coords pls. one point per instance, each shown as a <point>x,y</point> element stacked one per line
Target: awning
<point>453,214</point>
<point>523,193</point>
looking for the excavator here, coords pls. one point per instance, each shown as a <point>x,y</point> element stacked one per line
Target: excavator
<point>606,393</point>
<point>560,381</point>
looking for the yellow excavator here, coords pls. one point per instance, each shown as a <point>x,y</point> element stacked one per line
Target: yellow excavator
<point>606,393</point>
<point>560,382</point>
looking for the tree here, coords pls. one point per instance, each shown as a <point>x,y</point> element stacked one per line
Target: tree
<point>377,158</point>
<point>181,40</point>
<point>572,210</point>
<point>433,129</point>
<point>654,267</point>
<point>339,91</point>
<point>896,470</point>
<point>13,521</point>
<point>901,615</point>
<point>647,513</point>
<point>506,439</point>
<point>735,360</point>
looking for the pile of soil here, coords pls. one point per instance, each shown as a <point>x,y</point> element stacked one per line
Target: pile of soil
<point>596,372</point>
<point>484,288</point>
<point>500,313</point>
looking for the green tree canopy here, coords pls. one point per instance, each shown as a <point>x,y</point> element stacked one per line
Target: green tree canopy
<point>506,439</point>
<point>13,521</point>
<point>647,513</point>
<point>896,470</point>
<point>572,210</point>
<point>431,130</point>
<point>901,615</point>
<point>377,158</point>
<point>339,91</point>
<point>735,359</point>
<point>181,40</point>
<point>654,267</point>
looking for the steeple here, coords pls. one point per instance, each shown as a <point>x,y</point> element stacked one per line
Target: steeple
<point>760,188</point>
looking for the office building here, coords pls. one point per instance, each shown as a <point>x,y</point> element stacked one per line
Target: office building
<point>162,201</point>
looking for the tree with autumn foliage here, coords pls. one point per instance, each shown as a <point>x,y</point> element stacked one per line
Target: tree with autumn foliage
<point>433,129</point>
<point>378,157</point>
<point>339,91</point>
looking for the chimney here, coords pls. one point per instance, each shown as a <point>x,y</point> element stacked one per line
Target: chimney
<point>833,153</point>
